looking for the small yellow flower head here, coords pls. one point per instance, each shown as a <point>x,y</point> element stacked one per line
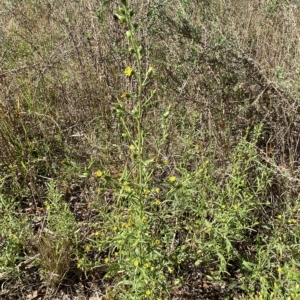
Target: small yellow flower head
<point>280,270</point>
<point>279,217</point>
<point>150,71</point>
<point>148,292</point>
<point>144,219</point>
<point>106,260</point>
<point>87,248</point>
<point>48,207</point>
<point>131,147</point>
<point>98,173</point>
<point>128,71</point>
<point>235,207</point>
<point>157,242</point>
<point>172,178</point>
<point>136,263</point>
<point>79,265</point>
<point>157,202</point>
<point>116,253</point>
<point>97,233</point>
<point>127,189</point>
<point>129,224</point>
<point>146,192</point>
<point>115,228</point>
<point>146,265</point>
<point>125,95</point>
<point>171,271</point>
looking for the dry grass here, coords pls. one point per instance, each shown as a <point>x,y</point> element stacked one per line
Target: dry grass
<point>222,70</point>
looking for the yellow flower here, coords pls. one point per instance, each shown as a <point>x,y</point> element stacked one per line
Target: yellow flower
<point>148,292</point>
<point>97,233</point>
<point>124,95</point>
<point>150,71</point>
<point>127,189</point>
<point>106,260</point>
<point>279,217</point>
<point>128,71</point>
<point>144,219</point>
<point>87,248</point>
<point>157,242</point>
<point>131,147</point>
<point>115,228</point>
<point>157,202</point>
<point>279,270</point>
<point>146,192</point>
<point>136,263</point>
<point>129,224</point>
<point>146,265</point>
<point>172,178</point>
<point>98,173</point>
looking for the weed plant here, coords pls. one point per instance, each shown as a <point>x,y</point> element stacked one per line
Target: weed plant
<point>149,150</point>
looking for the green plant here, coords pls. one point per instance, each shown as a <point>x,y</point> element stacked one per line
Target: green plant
<point>156,160</point>
<point>13,232</point>
<point>57,241</point>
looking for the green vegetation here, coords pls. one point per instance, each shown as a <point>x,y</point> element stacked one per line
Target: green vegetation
<point>149,150</point>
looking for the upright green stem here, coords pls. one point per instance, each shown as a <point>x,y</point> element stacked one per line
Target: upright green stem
<point>140,111</point>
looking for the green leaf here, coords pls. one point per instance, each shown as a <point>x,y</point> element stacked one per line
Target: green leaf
<point>248,265</point>
<point>198,262</point>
